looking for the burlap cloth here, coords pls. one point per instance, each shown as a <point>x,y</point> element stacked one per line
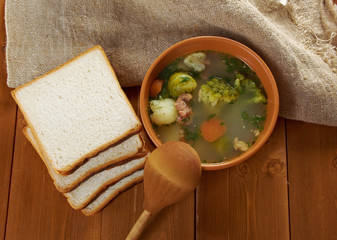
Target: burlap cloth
<point>296,40</point>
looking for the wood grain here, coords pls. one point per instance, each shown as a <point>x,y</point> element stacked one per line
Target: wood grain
<point>248,201</point>
<point>312,161</point>
<point>7,128</point>
<point>36,209</point>
<point>174,222</point>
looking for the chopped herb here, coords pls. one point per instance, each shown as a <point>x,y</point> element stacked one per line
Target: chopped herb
<point>191,135</point>
<point>253,141</point>
<point>204,161</point>
<point>164,93</point>
<point>194,74</point>
<point>185,120</point>
<point>154,126</point>
<point>235,65</point>
<point>211,116</point>
<point>222,123</point>
<point>149,111</point>
<point>228,80</point>
<point>216,77</point>
<point>254,120</point>
<point>184,79</point>
<point>169,70</point>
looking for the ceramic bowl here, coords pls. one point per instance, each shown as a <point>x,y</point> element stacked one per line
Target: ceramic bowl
<point>224,45</point>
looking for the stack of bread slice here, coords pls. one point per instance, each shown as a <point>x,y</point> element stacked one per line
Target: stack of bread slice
<point>85,130</point>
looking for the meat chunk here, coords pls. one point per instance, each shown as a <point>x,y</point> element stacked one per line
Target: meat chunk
<point>184,110</point>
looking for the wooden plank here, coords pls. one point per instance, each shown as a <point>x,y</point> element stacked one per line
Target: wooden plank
<point>36,209</point>
<point>173,222</point>
<point>248,201</point>
<point>7,128</point>
<point>312,161</point>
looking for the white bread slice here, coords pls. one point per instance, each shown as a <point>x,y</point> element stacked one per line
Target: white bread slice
<point>89,189</point>
<point>132,146</point>
<point>112,192</point>
<point>77,110</point>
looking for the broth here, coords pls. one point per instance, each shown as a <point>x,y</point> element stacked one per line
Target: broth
<point>243,118</point>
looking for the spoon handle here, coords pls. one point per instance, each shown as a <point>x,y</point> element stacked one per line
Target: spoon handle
<point>139,226</point>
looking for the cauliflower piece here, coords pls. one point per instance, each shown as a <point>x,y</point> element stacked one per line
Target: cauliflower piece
<point>240,145</point>
<point>180,83</point>
<point>245,84</point>
<point>164,111</point>
<point>256,132</point>
<point>215,90</point>
<point>196,61</point>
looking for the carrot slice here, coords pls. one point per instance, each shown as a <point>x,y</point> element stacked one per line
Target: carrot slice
<point>156,87</point>
<point>213,129</point>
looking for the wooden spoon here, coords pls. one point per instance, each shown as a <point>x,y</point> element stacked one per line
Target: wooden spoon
<point>172,171</point>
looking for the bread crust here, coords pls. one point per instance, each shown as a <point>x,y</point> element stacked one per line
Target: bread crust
<point>106,185</point>
<point>142,151</point>
<point>67,170</point>
<point>112,196</point>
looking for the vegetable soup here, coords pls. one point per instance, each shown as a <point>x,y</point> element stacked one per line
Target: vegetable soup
<point>211,100</point>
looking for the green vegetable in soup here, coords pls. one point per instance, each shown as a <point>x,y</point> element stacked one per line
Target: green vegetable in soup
<point>222,145</point>
<point>164,93</point>
<point>169,70</point>
<point>196,61</point>
<point>256,121</point>
<point>209,117</point>
<point>243,84</point>
<point>191,135</point>
<point>163,111</point>
<point>181,83</point>
<point>216,90</point>
<point>259,97</point>
<point>165,75</point>
<point>235,65</point>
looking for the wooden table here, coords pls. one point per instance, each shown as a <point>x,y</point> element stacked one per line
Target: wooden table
<point>287,190</point>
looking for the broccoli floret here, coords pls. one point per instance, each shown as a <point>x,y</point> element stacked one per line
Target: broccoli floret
<point>181,83</point>
<point>215,90</point>
<point>164,111</point>
<point>243,84</point>
<point>259,97</point>
<point>196,61</point>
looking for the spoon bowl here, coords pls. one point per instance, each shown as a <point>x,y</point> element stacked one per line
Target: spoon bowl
<point>172,171</point>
